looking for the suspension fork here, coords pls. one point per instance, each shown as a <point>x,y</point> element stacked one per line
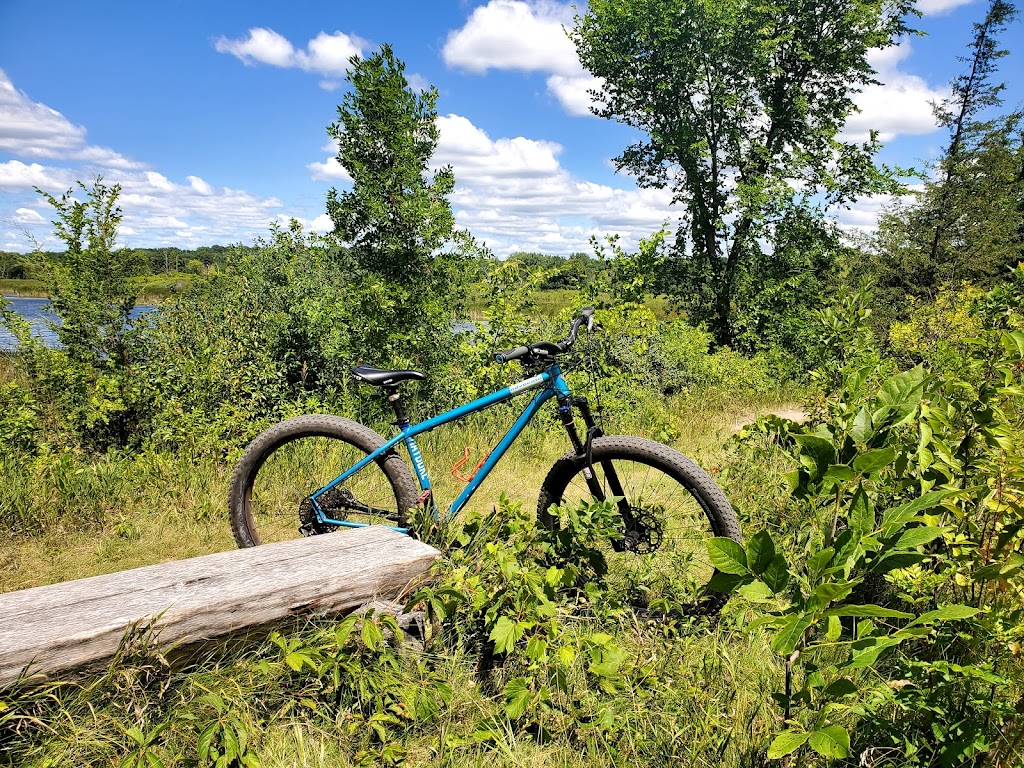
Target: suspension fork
<point>584,452</point>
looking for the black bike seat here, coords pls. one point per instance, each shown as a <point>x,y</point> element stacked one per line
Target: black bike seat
<point>383,378</point>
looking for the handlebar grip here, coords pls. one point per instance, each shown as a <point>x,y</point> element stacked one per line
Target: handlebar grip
<point>512,354</point>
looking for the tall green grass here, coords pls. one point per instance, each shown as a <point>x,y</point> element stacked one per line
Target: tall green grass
<point>690,696</point>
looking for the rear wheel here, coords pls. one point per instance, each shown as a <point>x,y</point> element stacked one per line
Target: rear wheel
<point>670,508</point>
<point>272,484</point>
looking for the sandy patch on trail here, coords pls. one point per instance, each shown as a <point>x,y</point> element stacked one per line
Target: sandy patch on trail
<point>793,413</point>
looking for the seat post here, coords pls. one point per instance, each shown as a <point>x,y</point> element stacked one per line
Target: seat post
<point>395,399</point>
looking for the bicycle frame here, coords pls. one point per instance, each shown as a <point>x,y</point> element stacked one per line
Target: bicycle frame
<point>552,384</point>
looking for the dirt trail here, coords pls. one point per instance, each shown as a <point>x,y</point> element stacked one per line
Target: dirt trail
<point>792,412</point>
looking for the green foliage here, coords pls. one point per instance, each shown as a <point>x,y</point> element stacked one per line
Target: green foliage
<point>394,221</point>
<point>735,101</point>
<point>88,286</point>
<point>512,589</point>
<point>963,225</point>
<point>909,572</point>
<point>939,333</point>
<point>86,382</point>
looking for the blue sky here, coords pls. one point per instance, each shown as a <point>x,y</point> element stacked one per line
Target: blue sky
<point>212,115</point>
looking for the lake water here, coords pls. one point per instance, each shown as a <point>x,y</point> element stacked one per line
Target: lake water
<point>39,315</point>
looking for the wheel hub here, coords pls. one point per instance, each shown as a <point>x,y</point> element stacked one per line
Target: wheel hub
<point>645,534</point>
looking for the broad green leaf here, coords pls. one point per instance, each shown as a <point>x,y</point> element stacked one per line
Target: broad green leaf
<point>817,562</point>
<point>946,613</point>
<point>900,395</point>
<point>837,689</point>
<point>840,473</point>
<point>872,461</point>
<point>1013,343</point>
<point>1002,569</point>
<point>790,634</point>
<point>831,741</point>
<point>896,560</point>
<point>861,429</point>
<point>827,593</point>
<point>867,612</point>
<point>372,635</point>
<point>868,653</point>
<point>727,556</point>
<point>726,583</point>
<point>816,453</point>
<point>786,743</point>
<point>517,697</point>
<point>776,575</point>
<point>536,648</point>
<point>834,629</point>
<point>862,513</point>
<point>760,551</point>
<point>505,634</point>
<point>915,537</point>
<point>901,515</point>
<point>755,592</point>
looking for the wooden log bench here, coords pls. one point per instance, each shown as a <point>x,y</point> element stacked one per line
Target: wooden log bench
<point>79,625</point>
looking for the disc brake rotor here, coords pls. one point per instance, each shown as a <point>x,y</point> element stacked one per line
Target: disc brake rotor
<point>646,533</point>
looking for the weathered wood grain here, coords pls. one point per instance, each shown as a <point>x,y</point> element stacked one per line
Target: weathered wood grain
<point>80,623</point>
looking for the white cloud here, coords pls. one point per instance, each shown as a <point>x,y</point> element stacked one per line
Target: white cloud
<point>862,216</point>
<point>574,91</point>
<point>262,46</point>
<point>157,209</point>
<point>509,34</point>
<point>417,82</point>
<point>328,170</point>
<point>28,216</point>
<point>514,194</point>
<point>200,186</point>
<point>902,105</point>
<point>527,37</point>
<point>322,223</point>
<point>32,130</point>
<point>940,6</point>
<point>16,176</point>
<point>325,54</point>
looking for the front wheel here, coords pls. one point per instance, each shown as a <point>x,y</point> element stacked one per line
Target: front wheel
<point>271,488</point>
<point>670,507</point>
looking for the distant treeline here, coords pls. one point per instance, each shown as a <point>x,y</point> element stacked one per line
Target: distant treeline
<point>566,272</point>
<point>139,261</point>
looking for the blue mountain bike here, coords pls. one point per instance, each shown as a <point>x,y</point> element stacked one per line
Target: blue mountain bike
<point>315,474</point>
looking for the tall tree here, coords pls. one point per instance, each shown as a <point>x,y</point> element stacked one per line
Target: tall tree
<point>973,92</point>
<point>741,105</point>
<point>396,219</point>
<point>88,282</point>
<point>965,223</point>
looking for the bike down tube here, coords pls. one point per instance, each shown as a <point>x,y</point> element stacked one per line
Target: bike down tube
<point>499,450</point>
<point>553,373</point>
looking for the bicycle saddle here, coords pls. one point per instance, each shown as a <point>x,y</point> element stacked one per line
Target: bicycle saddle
<point>383,378</point>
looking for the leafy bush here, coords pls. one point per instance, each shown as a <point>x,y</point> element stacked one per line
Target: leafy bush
<point>897,610</point>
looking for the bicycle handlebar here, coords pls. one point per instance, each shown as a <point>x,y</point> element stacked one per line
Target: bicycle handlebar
<point>512,354</point>
<point>548,349</point>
